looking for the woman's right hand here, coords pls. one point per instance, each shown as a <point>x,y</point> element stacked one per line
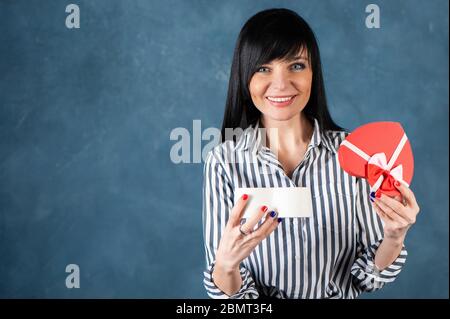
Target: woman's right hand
<point>234,246</point>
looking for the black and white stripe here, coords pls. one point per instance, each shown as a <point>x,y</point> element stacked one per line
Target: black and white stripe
<point>330,255</point>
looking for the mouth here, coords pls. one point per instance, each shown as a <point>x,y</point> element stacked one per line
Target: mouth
<point>281,101</point>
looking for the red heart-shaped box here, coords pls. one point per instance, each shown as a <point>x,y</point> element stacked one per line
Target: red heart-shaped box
<point>372,138</point>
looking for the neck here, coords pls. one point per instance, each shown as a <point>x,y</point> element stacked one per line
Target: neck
<point>291,134</point>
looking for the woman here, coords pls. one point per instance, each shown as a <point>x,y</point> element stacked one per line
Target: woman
<point>354,240</point>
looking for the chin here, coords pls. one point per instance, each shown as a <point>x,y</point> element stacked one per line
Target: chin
<point>280,116</point>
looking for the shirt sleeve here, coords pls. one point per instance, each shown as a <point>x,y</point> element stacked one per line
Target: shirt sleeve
<point>370,236</point>
<point>217,205</point>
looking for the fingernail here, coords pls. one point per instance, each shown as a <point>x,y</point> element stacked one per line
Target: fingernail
<point>244,197</point>
<point>378,195</point>
<point>243,220</point>
<point>397,183</point>
<point>371,199</point>
<point>264,208</point>
<point>372,194</point>
<point>273,214</point>
<point>280,220</point>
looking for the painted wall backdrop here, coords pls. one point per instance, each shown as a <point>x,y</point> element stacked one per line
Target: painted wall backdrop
<point>86,176</point>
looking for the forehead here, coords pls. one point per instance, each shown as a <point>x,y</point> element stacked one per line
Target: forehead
<point>301,54</point>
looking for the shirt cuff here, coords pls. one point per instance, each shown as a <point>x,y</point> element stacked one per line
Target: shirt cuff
<point>247,290</point>
<point>368,276</point>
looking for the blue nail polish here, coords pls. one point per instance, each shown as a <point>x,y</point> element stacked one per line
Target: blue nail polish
<point>372,194</point>
<point>372,200</point>
<point>273,214</point>
<point>243,220</point>
<point>280,220</point>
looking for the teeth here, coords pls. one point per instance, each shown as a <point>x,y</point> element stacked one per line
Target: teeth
<point>279,99</point>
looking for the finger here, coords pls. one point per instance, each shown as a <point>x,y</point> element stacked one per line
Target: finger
<point>238,210</point>
<point>251,222</point>
<point>398,208</point>
<point>381,213</point>
<point>407,194</point>
<point>400,199</point>
<point>389,212</point>
<point>383,216</point>
<point>393,204</point>
<point>267,227</point>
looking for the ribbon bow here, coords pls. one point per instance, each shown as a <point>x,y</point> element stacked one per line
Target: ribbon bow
<point>380,176</point>
<point>380,173</point>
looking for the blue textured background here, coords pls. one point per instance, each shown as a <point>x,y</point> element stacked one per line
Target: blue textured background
<point>85,118</point>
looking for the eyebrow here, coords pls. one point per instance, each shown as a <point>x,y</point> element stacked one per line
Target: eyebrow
<point>295,58</point>
<point>299,58</point>
<point>292,59</point>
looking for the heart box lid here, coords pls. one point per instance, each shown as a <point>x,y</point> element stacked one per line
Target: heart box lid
<point>379,152</point>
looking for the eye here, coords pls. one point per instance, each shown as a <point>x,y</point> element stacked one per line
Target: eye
<point>261,69</point>
<point>298,66</point>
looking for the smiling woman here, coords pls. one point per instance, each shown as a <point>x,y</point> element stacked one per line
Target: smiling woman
<point>279,84</point>
<point>276,56</point>
<point>340,251</point>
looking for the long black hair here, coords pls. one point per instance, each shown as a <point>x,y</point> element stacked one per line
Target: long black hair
<point>271,35</point>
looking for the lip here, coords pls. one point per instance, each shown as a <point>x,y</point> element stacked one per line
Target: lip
<point>281,96</point>
<point>282,104</point>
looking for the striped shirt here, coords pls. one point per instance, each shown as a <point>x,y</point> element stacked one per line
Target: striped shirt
<point>328,255</point>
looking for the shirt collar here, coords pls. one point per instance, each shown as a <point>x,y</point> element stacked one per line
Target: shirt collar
<point>251,139</point>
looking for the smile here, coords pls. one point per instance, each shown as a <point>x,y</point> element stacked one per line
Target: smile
<point>281,101</point>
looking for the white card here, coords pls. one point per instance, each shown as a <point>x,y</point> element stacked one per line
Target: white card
<point>286,201</point>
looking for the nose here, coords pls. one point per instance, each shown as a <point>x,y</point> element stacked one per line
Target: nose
<point>280,80</point>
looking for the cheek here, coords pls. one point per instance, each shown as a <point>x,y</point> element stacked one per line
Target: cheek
<point>257,89</point>
<point>305,83</point>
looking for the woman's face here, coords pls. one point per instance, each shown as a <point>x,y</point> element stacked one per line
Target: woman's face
<point>280,90</point>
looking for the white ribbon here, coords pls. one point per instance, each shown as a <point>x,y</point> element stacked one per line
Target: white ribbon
<point>379,159</point>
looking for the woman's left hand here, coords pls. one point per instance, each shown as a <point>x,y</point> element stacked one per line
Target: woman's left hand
<point>398,213</point>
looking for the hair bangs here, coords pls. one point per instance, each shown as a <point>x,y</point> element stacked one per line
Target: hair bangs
<point>285,50</point>
<point>273,35</point>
